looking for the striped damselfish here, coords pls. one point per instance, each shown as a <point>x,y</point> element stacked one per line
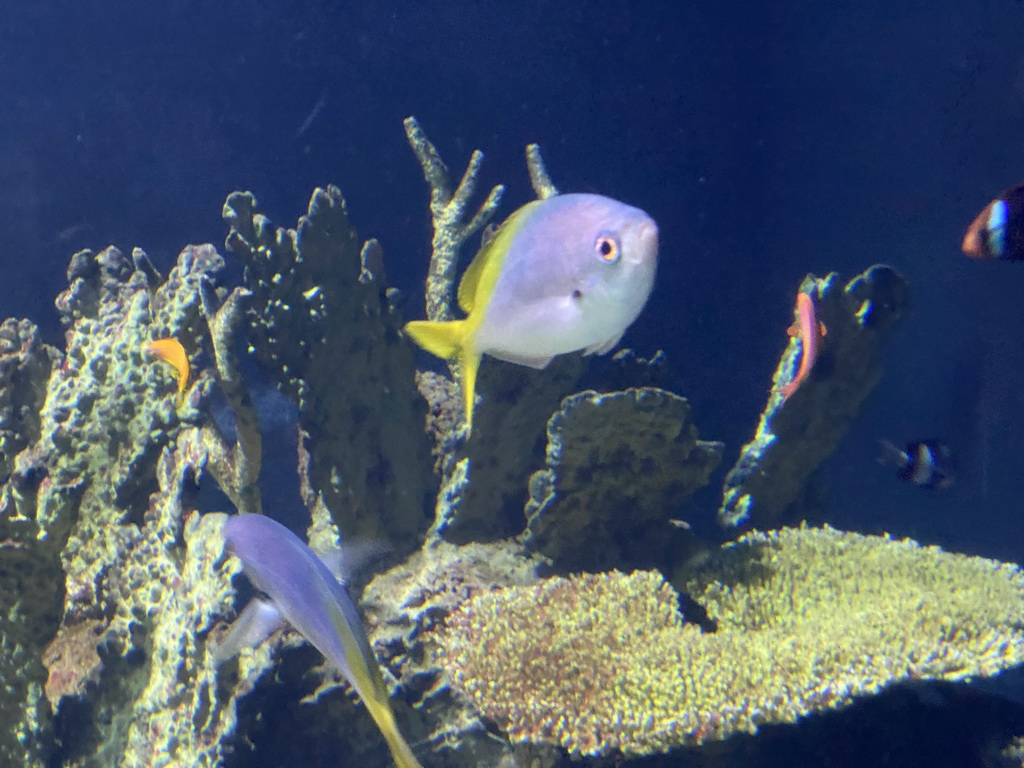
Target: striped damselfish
<point>566,273</point>
<point>998,231</point>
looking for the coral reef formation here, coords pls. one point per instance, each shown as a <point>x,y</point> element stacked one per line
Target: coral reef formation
<point>327,332</point>
<point>623,455</point>
<point>795,435</point>
<point>508,436</point>
<point>114,588</point>
<point>405,606</point>
<point>581,662</point>
<point>807,619</point>
<point>96,497</point>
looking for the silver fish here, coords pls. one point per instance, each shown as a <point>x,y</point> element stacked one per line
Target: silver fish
<point>567,273</point>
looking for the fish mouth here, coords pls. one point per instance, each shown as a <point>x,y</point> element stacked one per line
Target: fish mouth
<point>646,234</point>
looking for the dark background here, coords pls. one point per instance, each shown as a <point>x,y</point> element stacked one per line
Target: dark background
<point>767,139</point>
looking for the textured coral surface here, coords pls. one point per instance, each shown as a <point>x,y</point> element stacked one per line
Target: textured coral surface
<point>617,464</point>
<point>808,619</point>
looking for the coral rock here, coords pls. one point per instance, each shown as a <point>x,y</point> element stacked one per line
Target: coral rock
<point>807,619</point>
<point>619,464</point>
<point>327,332</point>
<point>795,435</point>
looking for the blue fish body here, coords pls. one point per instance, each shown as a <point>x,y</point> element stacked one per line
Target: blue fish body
<point>306,594</point>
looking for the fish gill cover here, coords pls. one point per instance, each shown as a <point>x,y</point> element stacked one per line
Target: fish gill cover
<point>115,589</point>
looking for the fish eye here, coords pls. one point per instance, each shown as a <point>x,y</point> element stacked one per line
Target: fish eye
<point>607,248</point>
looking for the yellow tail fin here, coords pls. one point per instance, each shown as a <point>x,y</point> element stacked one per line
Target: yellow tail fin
<point>442,339</point>
<point>470,361</point>
<point>448,341</point>
<point>400,749</point>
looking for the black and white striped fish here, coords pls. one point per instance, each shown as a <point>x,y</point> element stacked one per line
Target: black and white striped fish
<point>926,463</point>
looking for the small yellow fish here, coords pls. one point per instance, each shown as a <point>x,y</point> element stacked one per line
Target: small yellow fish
<point>567,273</point>
<point>171,352</point>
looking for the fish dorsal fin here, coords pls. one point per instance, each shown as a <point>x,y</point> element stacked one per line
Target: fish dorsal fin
<point>482,273</point>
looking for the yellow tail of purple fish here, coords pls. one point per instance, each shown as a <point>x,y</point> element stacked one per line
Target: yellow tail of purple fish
<point>451,341</point>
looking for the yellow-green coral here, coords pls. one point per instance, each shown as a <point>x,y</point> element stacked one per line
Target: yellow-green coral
<point>807,619</point>
<point>880,609</point>
<point>546,662</point>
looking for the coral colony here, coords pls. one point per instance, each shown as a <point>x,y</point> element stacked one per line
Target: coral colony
<point>525,610</point>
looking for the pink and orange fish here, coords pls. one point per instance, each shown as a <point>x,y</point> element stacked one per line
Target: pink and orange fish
<point>810,331</point>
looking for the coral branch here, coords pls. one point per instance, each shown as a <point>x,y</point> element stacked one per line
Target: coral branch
<point>795,435</point>
<point>543,187</point>
<point>449,213</point>
<point>225,322</point>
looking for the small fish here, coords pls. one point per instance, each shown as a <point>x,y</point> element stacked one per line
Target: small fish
<point>810,331</point>
<point>171,352</point>
<point>927,463</point>
<point>998,231</point>
<point>303,592</point>
<point>567,273</point>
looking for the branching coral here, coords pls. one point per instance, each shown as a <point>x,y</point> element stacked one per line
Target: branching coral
<point>506,437</point>
<point>807,619</point>
<point>112,581</point>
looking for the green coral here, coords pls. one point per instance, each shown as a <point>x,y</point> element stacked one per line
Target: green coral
<point>807,619</point>
<point>867,609</point>
<point>404,607</point>
<point>113,586</point>
<point>28,567</point>
<point>99,519</point>
<point>579,662</point>
<point>86,465</point>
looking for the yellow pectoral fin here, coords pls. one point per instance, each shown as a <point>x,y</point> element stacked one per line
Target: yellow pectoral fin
<point>442,339</point>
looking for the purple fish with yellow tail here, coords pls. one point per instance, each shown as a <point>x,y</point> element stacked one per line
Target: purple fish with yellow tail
<point>567,273</point>
<point>303,592</point>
